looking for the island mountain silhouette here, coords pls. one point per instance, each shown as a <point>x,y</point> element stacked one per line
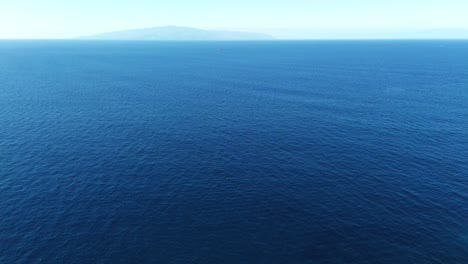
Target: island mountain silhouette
<point>178,33</point>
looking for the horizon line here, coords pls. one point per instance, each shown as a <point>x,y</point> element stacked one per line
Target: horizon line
<point>240,40</point>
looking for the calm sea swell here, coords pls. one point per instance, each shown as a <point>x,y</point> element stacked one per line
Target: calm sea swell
<point>255,152</point>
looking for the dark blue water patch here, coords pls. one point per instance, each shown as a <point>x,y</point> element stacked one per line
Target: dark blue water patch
<point>233,152</point>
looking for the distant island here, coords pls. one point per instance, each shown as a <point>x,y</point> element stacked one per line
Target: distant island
<point>179,34</point>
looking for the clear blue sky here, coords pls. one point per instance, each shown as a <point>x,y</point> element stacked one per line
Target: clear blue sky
<point>284,19</point>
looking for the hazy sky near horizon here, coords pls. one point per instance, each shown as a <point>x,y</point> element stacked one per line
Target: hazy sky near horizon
<point>283,19</point>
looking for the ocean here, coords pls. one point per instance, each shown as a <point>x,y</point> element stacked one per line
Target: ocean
<point>336,152</point>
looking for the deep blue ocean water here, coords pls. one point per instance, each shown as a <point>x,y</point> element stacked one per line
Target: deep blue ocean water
<point>242,152</point>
